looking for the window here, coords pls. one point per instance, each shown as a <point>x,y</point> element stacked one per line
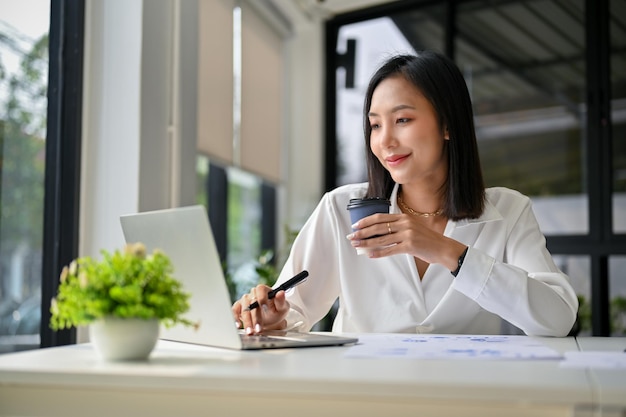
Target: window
<point>242,212</point>
<point>527,78</point>
<point>617,295</point>
<point>618,113</point>
<point>23,106</point>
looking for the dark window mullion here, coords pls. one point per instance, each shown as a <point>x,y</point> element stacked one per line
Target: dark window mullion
<point>600,320</point>
<point>331,149</point>
<point>63,147</point>
<point>599,162</point>
<point>451,32</point>
<point>268,220</point>
<point>217,190</point>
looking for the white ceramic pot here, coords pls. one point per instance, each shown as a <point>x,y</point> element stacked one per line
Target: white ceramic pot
<point>124,339</point>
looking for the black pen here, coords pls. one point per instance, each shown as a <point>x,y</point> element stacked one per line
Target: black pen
<point>298,279</point>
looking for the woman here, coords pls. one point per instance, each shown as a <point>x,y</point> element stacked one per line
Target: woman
<point>450,257</point>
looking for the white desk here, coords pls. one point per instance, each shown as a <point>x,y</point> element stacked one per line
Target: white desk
<point>186,380</point>
<point>609,385</point>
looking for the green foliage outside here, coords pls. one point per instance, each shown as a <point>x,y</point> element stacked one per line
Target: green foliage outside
<point>22,164</point>
<point>248,265</point>
<point>617,311</point>
<point>267,267</point>
<point>618,316</point>
<point>123,284</point>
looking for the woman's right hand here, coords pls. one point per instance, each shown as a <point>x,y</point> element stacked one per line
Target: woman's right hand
<point>270,315</point>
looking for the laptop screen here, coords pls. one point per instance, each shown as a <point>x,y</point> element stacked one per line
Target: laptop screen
<point>184,234</point>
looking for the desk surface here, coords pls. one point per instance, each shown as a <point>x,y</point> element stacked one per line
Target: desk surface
<point>189,380</point>
<point>609,385</point>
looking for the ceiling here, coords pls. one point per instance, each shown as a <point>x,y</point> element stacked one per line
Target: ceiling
<point>333,7</point>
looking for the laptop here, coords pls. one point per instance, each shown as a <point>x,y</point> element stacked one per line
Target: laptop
<point>184,234</point>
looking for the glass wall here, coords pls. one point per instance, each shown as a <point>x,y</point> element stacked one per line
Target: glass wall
<point>235,197</point>
<point>578,268</point>
<point>244,228</point>
<point>24,29</point>
<point>527,81</point>
<point>617,295</point>
<point>618,112</point>
<point>617,264</point>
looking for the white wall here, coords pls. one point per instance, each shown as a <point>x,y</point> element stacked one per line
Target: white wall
<point>304,181</point>
<point>111,121</point>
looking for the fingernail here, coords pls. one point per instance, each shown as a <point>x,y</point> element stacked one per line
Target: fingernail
<point>257,328</point>
<point>356,243</point>
<point>350,236</point>
<point>248,330</point>
<point>355,225</point>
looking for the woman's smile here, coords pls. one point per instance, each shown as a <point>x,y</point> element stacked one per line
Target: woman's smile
<point>395,160</point>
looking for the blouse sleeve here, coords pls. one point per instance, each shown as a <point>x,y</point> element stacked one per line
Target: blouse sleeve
<point>525,288</point>
<point>314,250</point>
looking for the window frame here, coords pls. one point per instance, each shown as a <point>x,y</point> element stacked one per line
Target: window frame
<point>63,156</point>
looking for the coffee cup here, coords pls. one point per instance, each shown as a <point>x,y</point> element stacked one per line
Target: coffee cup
<point>363,207</point>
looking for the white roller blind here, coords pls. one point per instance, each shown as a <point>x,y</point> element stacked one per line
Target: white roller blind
<point>215,79</point>
<point>262,87</point>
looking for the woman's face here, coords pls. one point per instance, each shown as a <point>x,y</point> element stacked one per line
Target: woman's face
<point>406,136</point>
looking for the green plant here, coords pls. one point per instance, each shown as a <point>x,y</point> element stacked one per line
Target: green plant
<point>618,316</point>
<point>267,267</point>
<point>123,284</point>
<point>265,272</point>
<point>617,310</point>
<point>584,314</point>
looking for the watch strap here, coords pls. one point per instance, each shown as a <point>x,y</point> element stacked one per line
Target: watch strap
<point>460,264</point>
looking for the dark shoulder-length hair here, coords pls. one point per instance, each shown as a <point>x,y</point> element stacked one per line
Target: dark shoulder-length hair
<point>442,83</point>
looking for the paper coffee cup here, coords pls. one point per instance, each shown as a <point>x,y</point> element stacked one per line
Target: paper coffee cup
<point>363,207</point>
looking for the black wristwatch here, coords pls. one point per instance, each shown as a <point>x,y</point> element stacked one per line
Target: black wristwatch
<point>461,259</point>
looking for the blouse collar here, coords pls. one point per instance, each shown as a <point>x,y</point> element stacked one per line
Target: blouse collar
<point>490,213</point>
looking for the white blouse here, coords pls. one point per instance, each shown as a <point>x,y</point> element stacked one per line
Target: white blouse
<point>507,274</point>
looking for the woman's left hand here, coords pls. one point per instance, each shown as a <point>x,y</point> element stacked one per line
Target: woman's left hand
<point>391,234</point>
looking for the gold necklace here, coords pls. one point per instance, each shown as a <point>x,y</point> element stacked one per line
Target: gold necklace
<point>417,213</point>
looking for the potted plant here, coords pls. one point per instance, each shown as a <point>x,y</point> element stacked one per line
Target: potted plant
<point>123,298</point>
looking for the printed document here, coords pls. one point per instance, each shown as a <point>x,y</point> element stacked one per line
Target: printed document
<point>450,347</point>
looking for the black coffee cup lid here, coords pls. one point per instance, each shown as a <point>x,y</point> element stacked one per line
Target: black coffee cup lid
<point>360,202</point>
